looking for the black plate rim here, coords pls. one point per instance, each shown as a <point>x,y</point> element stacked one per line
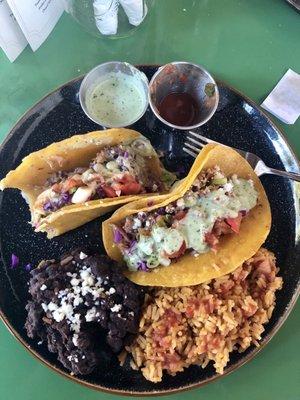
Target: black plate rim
<point>234,367</point>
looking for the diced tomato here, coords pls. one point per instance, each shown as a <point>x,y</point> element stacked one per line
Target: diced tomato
<point>193,305</point>
<point>179,252</point>
<point>221,228</point>
<point>126,178</point>
<point>211,240</point>
<point>235,223</point>
<point>131,188</point>
<point>180,215</point>
<point>70,183</point>
<point>109,191</point>
<point>172,362</point>
<point>190,311</point>
<point>171,318</point>
<point>56,188</point>
<point>160,333</point>
<point>127,185</point>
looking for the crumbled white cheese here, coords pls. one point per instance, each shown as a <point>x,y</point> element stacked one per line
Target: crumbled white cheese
<point>99,281</point>
<point>180,203</point>
<point>77,300</point>
<point>82,283</point>
<point>75,339</point>
<point>58,315</point>
<point>90,315</point>
<point>52,306</point>
<point>75,282</point>
<point>136,223</point>
<point>43,287</point>
<point>85,273</point>
<point>90,281</point>
<point>45,307</point>
<point>228,187</point>
<point>116,308</point>
<point>82,256</point>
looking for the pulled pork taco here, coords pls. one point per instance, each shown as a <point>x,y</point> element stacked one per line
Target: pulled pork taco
<point>78,179</point>
<point>217,218</point>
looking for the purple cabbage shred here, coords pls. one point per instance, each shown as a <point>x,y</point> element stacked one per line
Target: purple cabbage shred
<point>131,246</point>
<point>64,199</point>
<point>100,192</point>
<point>142,266</point>
<point>28,267</point>
<point>117,235</point>
<point>48,206</point>
<point>14,261</point>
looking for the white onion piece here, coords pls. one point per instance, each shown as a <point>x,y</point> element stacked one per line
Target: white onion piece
<point>82,194</point>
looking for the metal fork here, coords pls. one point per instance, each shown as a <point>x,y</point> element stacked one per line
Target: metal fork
<point>195,142</point>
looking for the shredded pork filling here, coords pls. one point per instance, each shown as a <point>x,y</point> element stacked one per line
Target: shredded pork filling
<point>215,205</point>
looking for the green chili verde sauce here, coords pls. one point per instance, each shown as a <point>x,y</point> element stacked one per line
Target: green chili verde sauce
<point>117,100</point>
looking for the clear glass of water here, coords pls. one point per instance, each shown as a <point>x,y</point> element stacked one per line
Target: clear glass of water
<point>109,18</point>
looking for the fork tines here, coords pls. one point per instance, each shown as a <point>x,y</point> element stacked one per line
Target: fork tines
<point>194,145</point>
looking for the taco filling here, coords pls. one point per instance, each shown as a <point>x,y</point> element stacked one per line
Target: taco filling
<point>213,206</point>
<point>115,171</point>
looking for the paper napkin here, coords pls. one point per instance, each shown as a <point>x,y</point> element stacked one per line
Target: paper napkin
<point>135,10</point>
<point>284,100</point>
<point>106,14</point>
<point>12,40</point>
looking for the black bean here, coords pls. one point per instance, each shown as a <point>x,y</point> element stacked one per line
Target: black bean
<point>116,328</point>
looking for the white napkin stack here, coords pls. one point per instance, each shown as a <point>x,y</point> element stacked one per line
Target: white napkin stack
<point>134,9</point>
<point>284,100</point>
<point>106,14</point>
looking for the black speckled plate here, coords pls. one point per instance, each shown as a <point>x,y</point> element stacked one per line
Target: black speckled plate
<point>237,122</point>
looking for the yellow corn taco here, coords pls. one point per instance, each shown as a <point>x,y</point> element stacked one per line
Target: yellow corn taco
<point>78,179</point>
<point>217,218</point>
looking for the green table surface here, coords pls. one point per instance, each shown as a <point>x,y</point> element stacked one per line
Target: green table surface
<point>248,43</point>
